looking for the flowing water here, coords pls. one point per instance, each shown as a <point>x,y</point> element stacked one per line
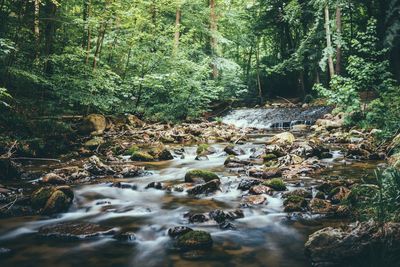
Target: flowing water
<point>264,237</point>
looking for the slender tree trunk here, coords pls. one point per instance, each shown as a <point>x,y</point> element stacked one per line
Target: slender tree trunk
<point>260,93</point>
<point>177,26</point>
<point>213,40</point>
<point>248,67</point>
<point>51,10</point>
<point>99,44</point>
<point>338,68</point>
<point>36,27</point>
<point>127,63</point>
<point>329,41</point>
<point>88,35</point>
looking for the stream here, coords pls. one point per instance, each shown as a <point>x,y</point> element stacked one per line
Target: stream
<point>266,236</point>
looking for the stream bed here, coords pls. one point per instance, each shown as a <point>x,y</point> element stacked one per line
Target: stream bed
<point>266,236</point>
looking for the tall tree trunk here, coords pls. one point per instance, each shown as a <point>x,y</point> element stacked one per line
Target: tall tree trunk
<point>36,27</point>
<point>260,93</point>
<point>338,67</point>
<point>88,34</point>
<point>51,10</point>
<point>177,26</point>
<point>329,41</point>
<point>213,40</point>
<point>99,44</point>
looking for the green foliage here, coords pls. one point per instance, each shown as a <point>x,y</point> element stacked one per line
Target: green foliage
<point>380,201</point>
<point>276,184</point>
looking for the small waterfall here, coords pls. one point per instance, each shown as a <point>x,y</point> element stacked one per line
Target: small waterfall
<point>275,118</point>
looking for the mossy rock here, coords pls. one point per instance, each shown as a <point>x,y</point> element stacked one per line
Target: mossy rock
<point>195,176</point>
<point>204,150</point>
<point>94,142</point>
<point>276,184</point>
<point>294,203</point>
<point>132,150</point>
<point>194,240</point>
<point>142,156</point>
<point>269,157</point>
<point>58,202</point>
<point>39,198</point>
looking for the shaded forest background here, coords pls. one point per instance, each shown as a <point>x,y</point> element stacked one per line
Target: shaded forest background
<point>174,60</point>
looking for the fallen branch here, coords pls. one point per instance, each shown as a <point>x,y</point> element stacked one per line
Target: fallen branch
<point>37,159</point>
<point>9,205</point>
<point>9,152</point>
<point>285,100</point>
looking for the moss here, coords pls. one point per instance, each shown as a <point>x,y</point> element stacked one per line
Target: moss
<point>195,240</point>
<point>132,150</point>
<point>202,148</point>
<point>141,156</point>
<point>276,184</point>
<point>39,198</point>
<point>269,157</point>
<point>58,202</point>
<point>206,176</point>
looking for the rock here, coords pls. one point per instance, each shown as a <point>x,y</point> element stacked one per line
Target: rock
<point>300,128</point>
<point>247,183</point>
<point>339,194</point>
<point>357,151</point>
<point>125,236</point>
<point>260,189</point>
<point>52,178</point>
<point>198,218</point>
<point>161,153</point>
<point>290,159</point>
<point>275,149</point>
<point>254,199</point>
<point>235,162</point>
<point>221,216</point>
<point>177,231</point>
<point>9,169</point>
<point>200,176</point>
<point>131,171</point>
<point>96,167</point>
<point>134,121</point>
<point>142,156</point>
<point>205,150</point>
<point>72,230</point>
<point>95,124</point>
<point>201,158</point>
<point>298,192</point>
<point>271,172</point>
<point>294,203</point>
<point>233,150</point>
<point>155,185</point>
<point>206,188</point>
<point>329,124</point>
<point>358,245</point>
<point>94,142</point>
<point>320,206</point>
<point>194,240</point>
<point>276,184</point>
<point>285,138</point>
<point>48,200</point>
<point>320,195</point>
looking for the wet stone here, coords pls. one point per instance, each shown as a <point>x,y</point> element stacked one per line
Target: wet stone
<point>246,184</point>
<point>194,240</point>
<point>155,185</point>
<point>75,230</point>
<point>176,231</point>
<point>126,236</point>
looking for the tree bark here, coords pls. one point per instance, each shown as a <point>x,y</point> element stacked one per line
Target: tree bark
<point>177,27</point>
<point>99,44</point>
<point>88,35</point>
<point>36,27</point>
<point>329,41</point>
<point>213,40</point>
<point>338,67</point>
<point>50,29</point>
<point>260,93</point>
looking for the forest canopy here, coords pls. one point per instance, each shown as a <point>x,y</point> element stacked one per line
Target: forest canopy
<point>174,60</point>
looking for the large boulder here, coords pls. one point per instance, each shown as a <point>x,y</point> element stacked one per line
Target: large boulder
<point>285,138</point>
<point>52,200</point>
<point>355,246</point>
<point>233,150</point>
<point>93,124</point>
<point>200,176</point>
<point>206,188</point>
<point>194,240</point>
